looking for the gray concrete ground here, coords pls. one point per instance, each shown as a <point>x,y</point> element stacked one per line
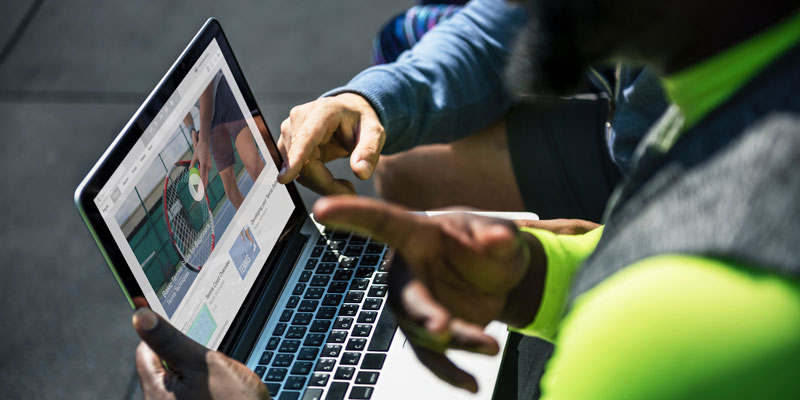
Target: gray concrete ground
<point>71,74</point>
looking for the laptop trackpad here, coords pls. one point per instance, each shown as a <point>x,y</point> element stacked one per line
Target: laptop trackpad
<point>405,376</point>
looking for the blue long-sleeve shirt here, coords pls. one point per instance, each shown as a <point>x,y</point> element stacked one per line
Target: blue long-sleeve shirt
<point>450,84</point>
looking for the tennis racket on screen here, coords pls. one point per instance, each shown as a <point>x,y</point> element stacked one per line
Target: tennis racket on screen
<point>188,215</point>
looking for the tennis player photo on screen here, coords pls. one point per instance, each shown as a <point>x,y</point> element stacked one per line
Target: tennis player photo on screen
<point>179,210</point>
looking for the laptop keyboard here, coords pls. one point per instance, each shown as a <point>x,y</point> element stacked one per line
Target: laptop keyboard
<point>331,338</point>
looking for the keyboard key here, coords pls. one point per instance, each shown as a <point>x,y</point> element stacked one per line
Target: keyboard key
<point>276,374</point>
<point>370,260</point>
<point>314,293</point>
<point>302,318</point>
<point>312,394</point>
<point>340,234</point>
<point>367,317</point>
<point>311,263</point>
<point>318,379</point>
<point>314,339</point>
<point>356,344</point>
<point>265,357</point>
<point>348,310</point>
<point>286,395</point>
<point>308,353</point>
<point>289,346</point>
<point>320,325</point>
<point>320,280</point>
<point>260,370</point>
<point>361,392</point>
<point>337,337</point>
<point>337,244</point>
<point>292,303</point>
<point>317,251</point>
<point>367,377</point>
<point>337,390</point>
<point>332,300</point>
<point>286,315</point>
<point>358,239</point>
<point>384,331</point>
<point>354,251</point>
<point>273,388</point>
<point>343,275</point>
<point>330,257</point>
<point>359,284</point>
<point>326,268</point>
<point>283,360</point>
<point>301,368</point>
<point>381,278</point>
<point>364,272</point>
<point>372,304</point>
<point>279,329</point>
<point>325,313</point>
<point>349,263</point>
<point>344,373</point>
<point>331,350</point>
<point>350,358</point>
<point>354,297</point>
<point>337,287</point>
<point>296,332</point>
<point>295,383</point>
<point>343,323</point>
<point>361,330</point>
<point>384,265</point>
<point>305,276</point>
<point>373,361</point>
<point>308,306</point>
<point>273,342</point>
<point>325,364</point>
<point>375,248</point>
<point>377,291</point>
<point>299,289</point>
<point>322,240</point>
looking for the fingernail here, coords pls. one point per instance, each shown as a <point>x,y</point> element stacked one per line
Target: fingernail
<point>364,166</point>
<point>145,319</point>
<point>283,170</point>
<point>470,385</point>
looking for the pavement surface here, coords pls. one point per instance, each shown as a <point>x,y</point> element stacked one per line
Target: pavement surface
<point>71,74</point>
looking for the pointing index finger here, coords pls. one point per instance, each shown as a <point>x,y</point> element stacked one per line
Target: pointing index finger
<point>310,133</point>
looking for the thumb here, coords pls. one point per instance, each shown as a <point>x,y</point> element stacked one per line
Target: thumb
<point>172,346</point>
<point>368,149</point>
<point>498,239</point>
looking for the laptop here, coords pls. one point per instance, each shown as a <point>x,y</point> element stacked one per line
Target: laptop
<point>185,207</point>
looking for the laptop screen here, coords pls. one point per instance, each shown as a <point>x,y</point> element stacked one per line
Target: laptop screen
<point>195,207</point>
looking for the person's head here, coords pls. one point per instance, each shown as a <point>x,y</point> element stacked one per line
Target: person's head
<point>563,37</point>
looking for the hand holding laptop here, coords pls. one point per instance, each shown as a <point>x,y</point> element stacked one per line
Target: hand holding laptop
<point>196,372</point>
<point>452,275</point>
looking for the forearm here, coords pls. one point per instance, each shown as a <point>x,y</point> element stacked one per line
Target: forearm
<point>448,85</point>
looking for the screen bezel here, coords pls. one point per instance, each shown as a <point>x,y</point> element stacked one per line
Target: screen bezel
<point>132,132</point>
